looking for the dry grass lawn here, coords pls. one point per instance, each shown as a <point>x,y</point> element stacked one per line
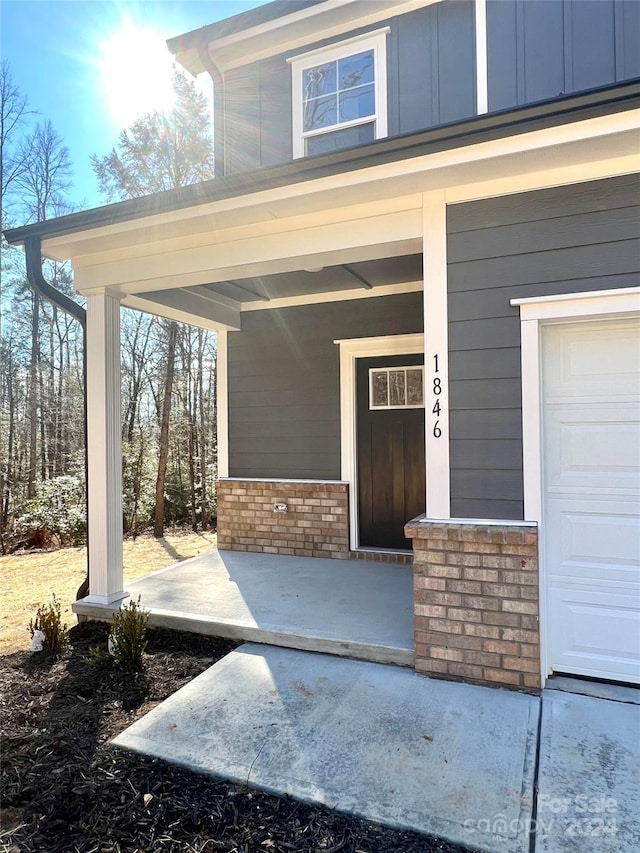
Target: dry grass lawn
<point>27,580</point>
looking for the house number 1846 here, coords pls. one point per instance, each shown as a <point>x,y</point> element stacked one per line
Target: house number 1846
<point>437,391</point>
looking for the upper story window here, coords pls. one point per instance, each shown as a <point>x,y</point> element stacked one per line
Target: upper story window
<point>340,95</point>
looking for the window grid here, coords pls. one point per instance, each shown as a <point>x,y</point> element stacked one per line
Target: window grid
<point>396,387</point>
<point>328,60</point>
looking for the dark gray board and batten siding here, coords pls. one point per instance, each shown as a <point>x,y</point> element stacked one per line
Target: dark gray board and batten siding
<point>540,49</point>
<point>584,237</point>
<point>536,49</point>
<point>284,382</point>
<point>429,82</point>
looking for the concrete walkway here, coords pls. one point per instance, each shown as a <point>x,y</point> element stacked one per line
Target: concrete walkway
<point>451,760</point>
<point>358,608</point>
<point>589,774</point>
<point>374,740</point>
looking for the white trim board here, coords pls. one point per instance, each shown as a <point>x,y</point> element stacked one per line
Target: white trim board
<point>487,522</point>
<point>158,309</point>
<point>222,400</point>
<point>284,480</point>
<point>482,68</point>
<point>436,355</point>
<point>350,350</point>
<point>333,296</point>
<point>534,312</point>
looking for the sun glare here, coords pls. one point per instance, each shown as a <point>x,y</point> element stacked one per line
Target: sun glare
<point>135,70</point>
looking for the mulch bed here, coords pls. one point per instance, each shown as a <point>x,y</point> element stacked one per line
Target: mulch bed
<point>65,789</point>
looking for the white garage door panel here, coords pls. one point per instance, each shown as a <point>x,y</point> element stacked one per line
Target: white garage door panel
<point>582,619</point>
<point>587,544</point>
<point>591,516</point>
<point>580,458</point>
<point>584,363</point>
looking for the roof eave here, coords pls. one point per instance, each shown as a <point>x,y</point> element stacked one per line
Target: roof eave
<point>604,101</point>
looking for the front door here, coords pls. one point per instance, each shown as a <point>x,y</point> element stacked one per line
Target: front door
<point>390,448</point>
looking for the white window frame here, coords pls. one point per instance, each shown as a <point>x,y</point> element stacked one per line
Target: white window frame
<point>376,41</point>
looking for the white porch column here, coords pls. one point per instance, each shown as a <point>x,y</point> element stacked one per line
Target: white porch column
<point>436,354</point>
<point>104,449</point>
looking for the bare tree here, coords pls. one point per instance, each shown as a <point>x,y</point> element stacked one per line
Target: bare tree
<point>161,151</point>
<point>158,522</point>
<point>43,180</point>
<point>46,173</point>
<point>14,112</point>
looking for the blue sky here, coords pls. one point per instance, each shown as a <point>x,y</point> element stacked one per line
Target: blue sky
<point>90,65</point>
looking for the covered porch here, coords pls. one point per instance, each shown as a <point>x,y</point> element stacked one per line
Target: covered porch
<point>306,272</point>
<point>356,608</point>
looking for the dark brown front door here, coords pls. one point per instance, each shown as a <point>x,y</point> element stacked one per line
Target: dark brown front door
<point>391,462</point>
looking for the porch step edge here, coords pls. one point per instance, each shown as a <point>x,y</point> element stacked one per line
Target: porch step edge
<point>235,630</point>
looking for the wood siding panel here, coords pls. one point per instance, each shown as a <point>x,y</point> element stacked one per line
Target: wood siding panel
<point>569,230</point>
<point>591,58</point>
<point>627,34</point>
<point>538,265</point>
<point>568,242</point>
<point>485,508</point>
<point>436,65</point>
<point>541,59</point>
<point>284,382</point>
<point>275,112</point>
<point>491,424</point>
<point>415,99</point>
<point>242,105</point>
<point>486,363</point>
<point>456,60</point>
<point>540,49</point>
<point>486,485</point>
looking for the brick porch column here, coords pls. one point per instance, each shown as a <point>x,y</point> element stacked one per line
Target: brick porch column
<point>476,600</point>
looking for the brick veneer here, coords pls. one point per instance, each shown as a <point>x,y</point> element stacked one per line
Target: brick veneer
<point>316,524</point>
<point>397,557</point>
<point>476,601</point>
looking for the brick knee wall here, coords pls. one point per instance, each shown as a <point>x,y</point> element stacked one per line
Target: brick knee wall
<point>315,525</point>
<point>476,602</point>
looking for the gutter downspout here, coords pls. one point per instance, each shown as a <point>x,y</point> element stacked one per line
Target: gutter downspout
<point>38,283</point>
<point>219,111</point>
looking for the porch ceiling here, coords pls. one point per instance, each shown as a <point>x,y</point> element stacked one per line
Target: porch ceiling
<point>338,278</point>
<point>221,303</point>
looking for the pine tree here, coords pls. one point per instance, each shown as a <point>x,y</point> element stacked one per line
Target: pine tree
<point>160,151</point>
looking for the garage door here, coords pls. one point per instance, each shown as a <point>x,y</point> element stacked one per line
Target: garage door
<point>591,472</point>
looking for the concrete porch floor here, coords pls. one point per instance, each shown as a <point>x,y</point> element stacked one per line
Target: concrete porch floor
<point>354,608</point>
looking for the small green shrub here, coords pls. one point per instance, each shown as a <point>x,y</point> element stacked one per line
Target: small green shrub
<point>128,634</point>
<point>58,512</point>
<point>96,657</point>
<point>48,619</point>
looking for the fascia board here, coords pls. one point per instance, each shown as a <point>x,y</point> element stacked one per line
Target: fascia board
<point>291,32</point>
